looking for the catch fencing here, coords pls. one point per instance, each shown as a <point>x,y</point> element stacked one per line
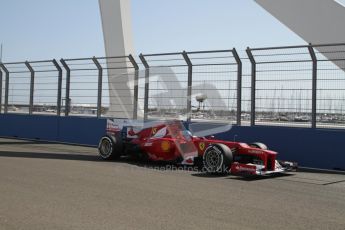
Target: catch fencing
<point>297,86</point>
<point>193,85</point>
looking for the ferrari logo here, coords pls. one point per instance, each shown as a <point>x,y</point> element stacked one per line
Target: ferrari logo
<point>165,146</point>
<point>202,145</point>
<point>154,131</point>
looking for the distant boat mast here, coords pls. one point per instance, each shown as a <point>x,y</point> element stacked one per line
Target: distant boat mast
<point>1,53</point>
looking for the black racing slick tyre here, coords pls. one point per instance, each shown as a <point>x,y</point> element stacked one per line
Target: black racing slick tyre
<point>217,159</point>
<point>110,147</point>
<point>259,145</point>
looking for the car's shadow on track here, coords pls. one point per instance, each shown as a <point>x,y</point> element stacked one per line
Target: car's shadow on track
<point>90,157</point>
<point>20,142</point>
<point>196,171</point>
<point>157,165</point>
<point>44,155</point>
<point>240,177</point>
<point>203,174</point>
<point>257,177</point>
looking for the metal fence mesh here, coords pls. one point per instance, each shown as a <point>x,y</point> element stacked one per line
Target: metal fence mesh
<point>118,82</point>
<point>330,86</point>
<point>168,74</point>
<point>141,88</point>
<point>246,88</point>
<point>300,86</point>
<point>214,86</point>
<point>19,88</point>
<point>83,87</point>
<point>283,87</point>
<point>45,88</point>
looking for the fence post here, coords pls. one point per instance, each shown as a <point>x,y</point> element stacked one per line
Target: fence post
<point>147,75</point>
<point>100,86</point>
<point>58,103</point>
<point>32,87</point>
<point>253,86</point>
<point>136,87</point>
<point>239,85</point>
<point>7,83</point>
<point>314,86</point>
<point>68,83</point>
<point>189,86</point>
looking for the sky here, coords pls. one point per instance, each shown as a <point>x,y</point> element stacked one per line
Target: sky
<point>46,29</point>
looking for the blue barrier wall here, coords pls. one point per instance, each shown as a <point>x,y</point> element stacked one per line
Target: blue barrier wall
<point>77,130</point>
<point>319,148</point>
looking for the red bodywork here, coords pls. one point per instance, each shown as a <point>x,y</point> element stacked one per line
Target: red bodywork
<point>170,141</point>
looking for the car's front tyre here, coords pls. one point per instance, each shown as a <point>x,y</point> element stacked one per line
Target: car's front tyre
<point>217,158</point>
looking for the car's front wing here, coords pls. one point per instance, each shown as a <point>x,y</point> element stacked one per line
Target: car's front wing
<point>255,169</point>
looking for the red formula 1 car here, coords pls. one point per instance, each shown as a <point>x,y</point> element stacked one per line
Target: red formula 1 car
<point>169,141</point>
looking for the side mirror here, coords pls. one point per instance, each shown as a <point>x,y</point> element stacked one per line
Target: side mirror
<point>131,132</point>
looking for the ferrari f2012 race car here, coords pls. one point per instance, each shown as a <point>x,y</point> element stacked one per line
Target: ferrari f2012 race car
<point>169,141</point>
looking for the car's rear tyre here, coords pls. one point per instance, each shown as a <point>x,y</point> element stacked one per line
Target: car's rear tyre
<point>259,145</point>
<point>110,147</point>
<point>217,158</point>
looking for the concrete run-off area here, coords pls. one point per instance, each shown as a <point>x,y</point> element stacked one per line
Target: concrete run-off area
<point>54,186</point>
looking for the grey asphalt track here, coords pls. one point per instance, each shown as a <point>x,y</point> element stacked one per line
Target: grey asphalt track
<point>54,186</point>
